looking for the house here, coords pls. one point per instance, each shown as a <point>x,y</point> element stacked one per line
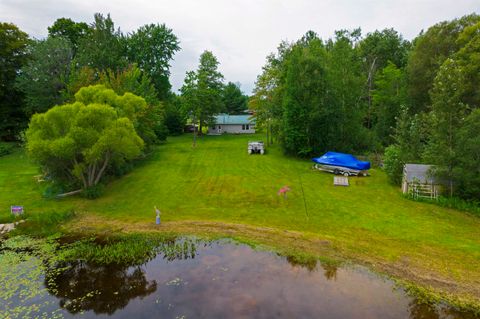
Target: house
<point>236,124</point>
<point>418,181</point>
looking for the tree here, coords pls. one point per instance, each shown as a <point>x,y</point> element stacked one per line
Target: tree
<point>13,56</point>
<point>103,48</point>
<point>467,168</point>
<point>209,88</point>
<point>448,113</point>
<point>44,78</point>
<point>150,124</point>
<point>388,97</point>
<point>345,95</point>
<point>189,100</point>
<point>202,91</point>
<point>303,100</point>
<point>430,50</point>
<point>233,99</point>
<point>152,48</point>
<point>77,142</point>
<point>175,118</point>
<point>265,101</point>
<point>378,49</point>
<point>68,29</point>
<point>468,58</point>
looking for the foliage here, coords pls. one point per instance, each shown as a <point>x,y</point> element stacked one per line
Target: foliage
<point>448,113</point>
<point>150,123</point>
<point>393,164</point>
<point>318,86</point>
<point>264,102</point>
<point>44,78</point>
<point>209,88</point>
<point>67,28</point>
<point>175,118</point>
<point>103,47</point>
<point>201,91</point>
<point>468,58</point>
<point>388,97</point>
<point>14,55</point>
<point>379,48</point>
<point>152,47</point>
<point>467,167</point>
<point>233,99</point>
<point>430,50</point>
<point>78,141</point>
<point>94,191</point>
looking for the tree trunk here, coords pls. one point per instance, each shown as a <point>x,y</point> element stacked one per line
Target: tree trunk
<point>100,173</point>
<point>194,132</point>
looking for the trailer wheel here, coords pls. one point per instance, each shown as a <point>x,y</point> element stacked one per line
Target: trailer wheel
<point>346,174</point>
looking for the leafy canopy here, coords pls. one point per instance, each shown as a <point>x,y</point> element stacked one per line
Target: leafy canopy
<point>77,142</point>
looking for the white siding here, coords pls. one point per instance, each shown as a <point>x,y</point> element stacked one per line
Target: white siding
<point>231,128</point>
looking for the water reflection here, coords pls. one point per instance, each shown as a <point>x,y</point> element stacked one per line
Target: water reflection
<point>103,289</point>
<point>224,280</point>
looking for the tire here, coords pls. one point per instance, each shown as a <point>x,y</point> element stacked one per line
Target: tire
<point>346,174</point>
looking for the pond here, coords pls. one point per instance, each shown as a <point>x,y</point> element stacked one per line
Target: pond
<point>219,279</point>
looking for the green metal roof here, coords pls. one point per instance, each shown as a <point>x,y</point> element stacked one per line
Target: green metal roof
<point>223,119</point>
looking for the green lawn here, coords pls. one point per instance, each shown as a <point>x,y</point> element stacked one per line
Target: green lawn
<point>219,181</point>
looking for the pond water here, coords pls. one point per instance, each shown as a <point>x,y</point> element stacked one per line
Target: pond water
<point>218,279</point>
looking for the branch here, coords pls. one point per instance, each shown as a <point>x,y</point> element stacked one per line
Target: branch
<point>100,173</point>
<point>70,193</point>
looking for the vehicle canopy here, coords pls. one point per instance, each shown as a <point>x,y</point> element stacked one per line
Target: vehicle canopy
<point>341,160</point>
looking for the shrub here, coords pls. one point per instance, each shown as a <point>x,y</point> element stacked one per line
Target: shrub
<point>393,164</point>
<point>94,191</point>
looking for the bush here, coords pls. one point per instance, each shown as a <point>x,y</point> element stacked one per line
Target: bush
<point>393,164</point>
<point>94,191</point>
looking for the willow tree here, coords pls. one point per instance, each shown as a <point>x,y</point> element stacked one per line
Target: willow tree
<point>77,142</point>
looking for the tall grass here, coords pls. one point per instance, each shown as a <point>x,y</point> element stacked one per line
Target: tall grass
<point>43,224</point>
<point>451,202</point>
<point>135,249</point>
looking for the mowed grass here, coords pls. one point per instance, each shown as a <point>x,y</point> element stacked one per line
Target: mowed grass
<point>219,181</point>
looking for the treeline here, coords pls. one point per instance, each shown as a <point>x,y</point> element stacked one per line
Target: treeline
<point>416,101</point>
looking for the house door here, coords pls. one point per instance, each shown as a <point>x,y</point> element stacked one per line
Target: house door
<point>219,130</point>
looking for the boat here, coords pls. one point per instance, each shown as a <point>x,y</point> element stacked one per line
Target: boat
<point>340,163</point>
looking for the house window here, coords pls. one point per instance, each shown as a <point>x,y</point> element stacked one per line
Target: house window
<point>247,126</point>
<point>243,127</point>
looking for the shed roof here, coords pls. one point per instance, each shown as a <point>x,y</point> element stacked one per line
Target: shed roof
<point>224,119</point>
<point>418,172</point>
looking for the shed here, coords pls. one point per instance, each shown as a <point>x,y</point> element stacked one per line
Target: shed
<point>419,181</point>
<point>237,124</point>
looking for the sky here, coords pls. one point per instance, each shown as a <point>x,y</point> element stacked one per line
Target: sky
<point>240,33</point>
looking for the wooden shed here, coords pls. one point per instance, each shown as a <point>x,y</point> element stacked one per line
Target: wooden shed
<point>419,181</point>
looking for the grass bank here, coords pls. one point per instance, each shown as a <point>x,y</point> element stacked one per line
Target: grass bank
<point>218,189</point>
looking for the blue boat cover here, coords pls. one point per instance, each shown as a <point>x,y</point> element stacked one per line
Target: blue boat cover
<point>342,160</point>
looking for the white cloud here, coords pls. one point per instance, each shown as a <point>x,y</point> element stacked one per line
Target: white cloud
<point>239,32</point>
